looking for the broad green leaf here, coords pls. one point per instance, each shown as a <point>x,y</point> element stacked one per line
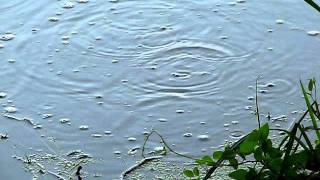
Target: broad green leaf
<point>264,131</point>
<point>247,147</point>
<point>196,171</point>
<point>234,163</point>
<point>188,173</point>
<point>239,174</point>
<point>217,155</point>
<point>258,154</point>
<point>208,160</point>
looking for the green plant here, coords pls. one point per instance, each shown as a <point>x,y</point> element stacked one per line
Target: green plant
<point>295,157</point>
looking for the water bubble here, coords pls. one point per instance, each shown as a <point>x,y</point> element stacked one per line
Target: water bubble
<point>313,33</point>
<point>82,1</point>
<point>132,139</point>
<point>65,42</point>
<point>263,91</point>
<point>3,94</point>
<point>107,132</point>
<point>117,152</point>
<point>236,134</point>
<point>53,19</point>
<point>114,61</point>
<point>11,60</point>
<point>83,127</point>
<point>234,122</point>
<point>203,137</point>
<point>241,1</point>
<point>270,84</point>
<point>1,46</point>
<point>65,37</point>
<point>68,5</point>
<point>279,21</point>
<point>250,98</point>
<point>226,125</point>
<point>180,111</point>
<point>46,116</point>
<point>96,135</point>
<point>7,37</point>
<point>10,109</point>
<point>162,120</point>
<point>64,120</point>
<point>187,134</point>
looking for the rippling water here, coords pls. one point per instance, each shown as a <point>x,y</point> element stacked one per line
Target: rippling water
<point>128,66</point>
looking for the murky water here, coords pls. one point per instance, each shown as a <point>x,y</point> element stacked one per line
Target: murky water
<point>97,75</point>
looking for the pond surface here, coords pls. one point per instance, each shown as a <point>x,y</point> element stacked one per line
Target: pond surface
<point>97,75</point>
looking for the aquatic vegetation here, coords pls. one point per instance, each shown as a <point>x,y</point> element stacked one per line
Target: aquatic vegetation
<point>295,156</point>
<point>63,166</point>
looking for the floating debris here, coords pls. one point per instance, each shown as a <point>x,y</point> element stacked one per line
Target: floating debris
<point>187,134</point>
<point>3,95</point>
<point>10,109</point>
<point>64,120</point>
<point>313,33</point>
<point>83,127</point>
<point>7,37</point>
<point>203,137</point>
<point>159,149</point>
<point>53,19</point>
<point>133,151</point>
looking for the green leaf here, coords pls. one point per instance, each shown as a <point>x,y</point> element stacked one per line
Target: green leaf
<point>310,85</point>
<point>258,154</point>
<point>217,155</point>
<point>233,163</point>
<point>239,174</point>
<point>200,161</point>
<point>264,131</point>
<point>196,171</point>
<point>276,164</point>
<point>247,147</point>
<point>208,160</point>
<point>310,110</point>
<point>188,173</point>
